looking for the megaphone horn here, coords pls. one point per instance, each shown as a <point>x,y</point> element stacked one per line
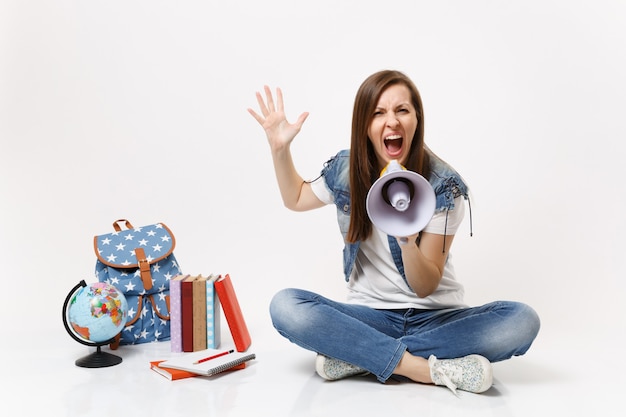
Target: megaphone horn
<point>398,193</point>
<point>400,202</point>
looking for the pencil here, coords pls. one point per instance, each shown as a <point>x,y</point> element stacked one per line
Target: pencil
<point>213,357</point>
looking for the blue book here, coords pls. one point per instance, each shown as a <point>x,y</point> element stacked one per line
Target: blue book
<point>213,316</point>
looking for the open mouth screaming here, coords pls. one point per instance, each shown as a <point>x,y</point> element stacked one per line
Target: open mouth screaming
<point>393,145</point>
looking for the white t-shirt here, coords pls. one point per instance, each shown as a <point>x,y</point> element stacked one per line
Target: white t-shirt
<point>376,282</point>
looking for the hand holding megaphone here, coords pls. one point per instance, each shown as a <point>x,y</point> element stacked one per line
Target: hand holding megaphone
<point>400,202</point>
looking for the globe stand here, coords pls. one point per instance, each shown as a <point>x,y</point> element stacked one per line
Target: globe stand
<point>97,359</point>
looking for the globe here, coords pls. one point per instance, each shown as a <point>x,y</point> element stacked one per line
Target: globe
<point>94,314</point>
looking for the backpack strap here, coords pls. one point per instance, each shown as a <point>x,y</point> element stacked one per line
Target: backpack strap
<point>144,268</point>
<point>117,227</point>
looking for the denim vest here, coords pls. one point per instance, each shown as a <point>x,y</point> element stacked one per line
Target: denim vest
<point>446,182</point>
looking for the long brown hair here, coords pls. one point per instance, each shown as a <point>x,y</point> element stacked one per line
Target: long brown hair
<point>364,169</point>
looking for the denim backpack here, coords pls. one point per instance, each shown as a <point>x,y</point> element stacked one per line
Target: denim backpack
<point>139,261</point>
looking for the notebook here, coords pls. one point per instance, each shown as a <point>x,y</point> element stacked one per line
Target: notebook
<point>221,360</point>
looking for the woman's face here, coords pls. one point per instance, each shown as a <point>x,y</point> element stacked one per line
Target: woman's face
<point>393,125</point>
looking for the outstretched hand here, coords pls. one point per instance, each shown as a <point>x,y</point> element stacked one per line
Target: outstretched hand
<point>280,133</point>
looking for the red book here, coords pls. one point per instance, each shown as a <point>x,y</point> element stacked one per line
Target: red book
<point>186,307</point>
<point>232,311</point>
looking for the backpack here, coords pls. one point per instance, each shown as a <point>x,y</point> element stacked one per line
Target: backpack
<point>139,262</point>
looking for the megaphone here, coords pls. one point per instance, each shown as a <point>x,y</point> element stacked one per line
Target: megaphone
<point>401,202</point>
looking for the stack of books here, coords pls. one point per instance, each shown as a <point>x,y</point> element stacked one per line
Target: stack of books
<point>195,313</point>
<point>196,303</point>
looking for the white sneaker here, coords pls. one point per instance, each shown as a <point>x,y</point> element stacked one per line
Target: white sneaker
<point>471,373</point>
<point>332,369</point>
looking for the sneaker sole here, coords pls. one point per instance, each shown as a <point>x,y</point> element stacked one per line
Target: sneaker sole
<point>488,377</point>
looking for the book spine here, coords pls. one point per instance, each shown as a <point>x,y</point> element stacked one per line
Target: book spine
<point>176,341</point>
<point>233,313</point>
<point>213,338</point>
<point>187,314</point>
<point>199,314</point>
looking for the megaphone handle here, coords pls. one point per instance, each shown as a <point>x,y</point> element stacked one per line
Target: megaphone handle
<point>403,240</point>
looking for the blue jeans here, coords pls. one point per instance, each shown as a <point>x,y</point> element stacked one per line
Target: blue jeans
<point>375,340</point>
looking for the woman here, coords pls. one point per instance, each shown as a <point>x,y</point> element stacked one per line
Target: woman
<point>405,313</point>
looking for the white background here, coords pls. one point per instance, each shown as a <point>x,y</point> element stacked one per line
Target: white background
<point>137,110</point>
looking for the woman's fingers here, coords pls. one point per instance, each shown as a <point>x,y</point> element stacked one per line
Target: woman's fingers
<point>270,99</point>
<point>262,106</point>
<point>267,105</point>
<point>256,116</point>
<point>279,97</point>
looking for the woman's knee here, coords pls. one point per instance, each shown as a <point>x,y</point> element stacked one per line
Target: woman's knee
<point>515,334</point>
<point>527,321</point>
<point>284,310</point>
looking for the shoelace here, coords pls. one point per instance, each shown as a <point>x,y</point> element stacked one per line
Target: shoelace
<point>445,378</point>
